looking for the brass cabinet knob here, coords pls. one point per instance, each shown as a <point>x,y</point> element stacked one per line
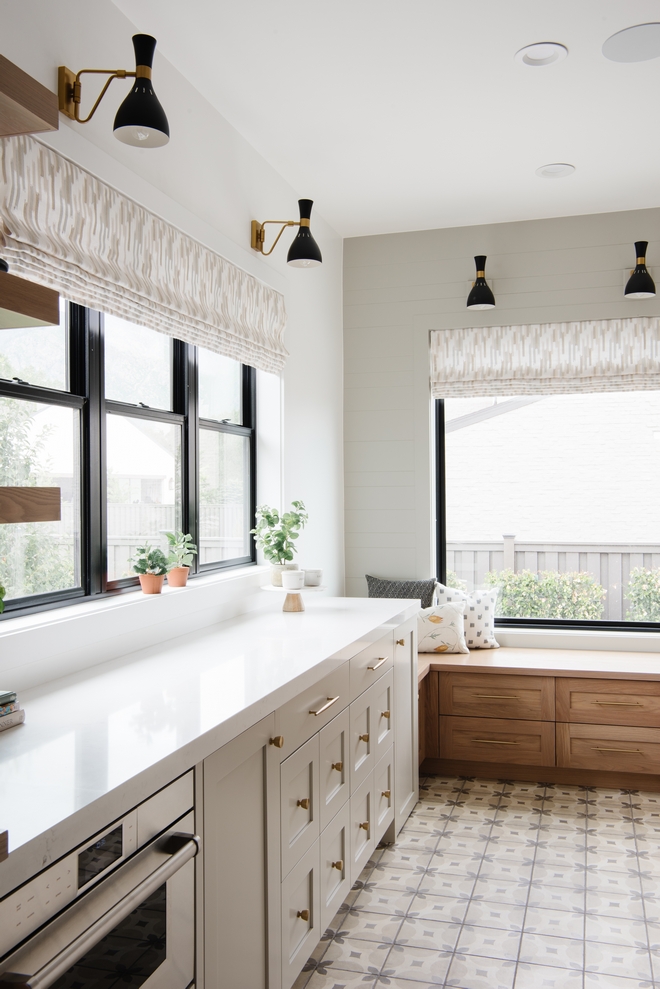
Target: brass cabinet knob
<point>304,803</point>
<point>364,738</point>
<point>278,741</point>
<point>339,864</point>
<point>386,793</point>
<point>385,714</point>
<point>338,766</point>
<point>364,825</point>
<point>400,642</point>
<point>303,914</point>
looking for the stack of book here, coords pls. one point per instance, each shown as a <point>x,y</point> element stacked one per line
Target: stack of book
<point>11,712</point>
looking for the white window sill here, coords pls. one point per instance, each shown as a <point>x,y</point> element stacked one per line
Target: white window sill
<point>593,639</point>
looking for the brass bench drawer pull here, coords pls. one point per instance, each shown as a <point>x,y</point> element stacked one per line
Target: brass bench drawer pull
<point>499,697</point>
<point>493,741</point>
<point>620,703</point>
<point>607,748</point>
<point>330,702</point>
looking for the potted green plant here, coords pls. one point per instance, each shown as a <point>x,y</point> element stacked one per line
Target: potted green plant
<point>150,564</point>
<point>2,598</point>
<point>276,535</point>
<point>182,550</point>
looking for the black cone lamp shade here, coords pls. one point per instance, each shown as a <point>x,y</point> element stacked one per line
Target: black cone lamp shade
<point>141,120</point>
<point>480,296</point>
<point>304,251</point>
<point>640,284</point>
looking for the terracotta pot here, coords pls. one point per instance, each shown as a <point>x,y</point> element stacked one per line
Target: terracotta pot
<point>178,576</point>
<point>151,583</point>
<point>276,572</point>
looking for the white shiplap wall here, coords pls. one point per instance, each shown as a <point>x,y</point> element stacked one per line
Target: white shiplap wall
<point>399,287</point>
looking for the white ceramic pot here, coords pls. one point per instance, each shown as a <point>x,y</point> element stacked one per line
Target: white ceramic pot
<point>293,580</point>
<point>313,577</point>
<point>276,572</point>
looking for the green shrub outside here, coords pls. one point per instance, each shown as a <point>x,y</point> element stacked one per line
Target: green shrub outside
<point>644,595</point>
<point>547,594</point>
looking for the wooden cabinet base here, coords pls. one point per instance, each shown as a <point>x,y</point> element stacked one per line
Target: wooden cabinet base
<point>541,774</point>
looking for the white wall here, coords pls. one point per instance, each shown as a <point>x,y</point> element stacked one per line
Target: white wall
<point>210,183</point>
<point>399,287</point>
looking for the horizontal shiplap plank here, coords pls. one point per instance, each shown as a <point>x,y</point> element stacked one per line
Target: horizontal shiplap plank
<point>382,455</point>
<point>379,399</point>
<point>379,497</point>
<point>396,424</point>
<point>377,520</point>
<point>372,479</point>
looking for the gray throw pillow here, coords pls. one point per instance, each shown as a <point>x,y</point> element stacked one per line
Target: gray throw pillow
<point>379,587</point>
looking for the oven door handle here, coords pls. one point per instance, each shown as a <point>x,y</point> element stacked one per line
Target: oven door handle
<point>181,848</point>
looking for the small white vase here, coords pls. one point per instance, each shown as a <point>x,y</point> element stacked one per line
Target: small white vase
<point>276,572</point>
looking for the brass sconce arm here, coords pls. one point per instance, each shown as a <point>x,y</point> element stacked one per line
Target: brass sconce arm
<point>70,90</point>
<point>258,234</point>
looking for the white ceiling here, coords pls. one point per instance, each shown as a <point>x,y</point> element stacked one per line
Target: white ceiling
<point>411,114</point>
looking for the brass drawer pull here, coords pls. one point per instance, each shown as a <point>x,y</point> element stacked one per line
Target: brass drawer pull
<point>607,748</point>
<point>381,660</point>
<point>493,741</point>
<point>386,793</point>
<point>364,825</point>
<point>400,642</point>
<point>303,914</point>
<point>499,697</point>
<point>620,703</point>
<point>385,714</point>
<point>338,766</point>
<point>330,702</point>
<point>278,741</point>
<point>304,803</point>
<point>364,738</point>
<point>339,864</point>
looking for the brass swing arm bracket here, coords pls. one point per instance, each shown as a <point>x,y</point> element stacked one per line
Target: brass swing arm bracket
<point>258,234</point>
<point>69,89</point>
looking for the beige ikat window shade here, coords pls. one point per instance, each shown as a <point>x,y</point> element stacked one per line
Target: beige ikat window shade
<point>547,358</point>
<point>62,227</point>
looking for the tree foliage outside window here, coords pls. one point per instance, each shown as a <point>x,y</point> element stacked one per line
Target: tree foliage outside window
<point>548,594</point>
<point>644,595</point>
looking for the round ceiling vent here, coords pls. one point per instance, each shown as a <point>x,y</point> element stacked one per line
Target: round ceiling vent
<point>555,170</point>
<point>543,53</point>
<point>634,44</point>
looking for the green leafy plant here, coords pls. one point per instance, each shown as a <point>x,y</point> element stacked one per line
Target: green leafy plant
<point>547,594</point>
<point>2,599</point>
<point>182,549</point>
<point>276,534</point>
<point>453,580</point>
<point>644,595</point>
<point>149,559</point>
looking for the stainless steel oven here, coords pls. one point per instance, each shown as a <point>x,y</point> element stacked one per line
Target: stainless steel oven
<point>118,911</point>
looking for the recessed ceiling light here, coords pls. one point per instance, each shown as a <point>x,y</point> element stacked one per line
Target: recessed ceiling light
<point>634,44</point>
<point>555,170</point>
<point>543,53</point>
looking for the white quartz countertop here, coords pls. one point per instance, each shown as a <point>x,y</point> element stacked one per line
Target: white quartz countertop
<point>96,743</point>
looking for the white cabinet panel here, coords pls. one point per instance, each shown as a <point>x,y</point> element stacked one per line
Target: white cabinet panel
<point>310,711</point>
<point>362,840</point>
<point>382,714</point>
<point>335,865</point>
<point>370,664</point>
<point>383,795</point>
<point>361,740</point>
<point>334,772</point>
<point>301,917</point>
<point>299,775</point>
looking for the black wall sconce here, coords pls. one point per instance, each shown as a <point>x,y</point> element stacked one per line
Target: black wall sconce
<point>304,251</point>
<point>140,120</point>
<point>640,285</point>
<point>481,296</point>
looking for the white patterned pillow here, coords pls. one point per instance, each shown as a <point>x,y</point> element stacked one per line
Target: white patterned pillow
<point>440,629</point>
<point>479,614</point>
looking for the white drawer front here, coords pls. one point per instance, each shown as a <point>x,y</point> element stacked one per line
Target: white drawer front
<point>382,714</point>
<point>334,873</point>
<point>312,710</point>
<point>362,740</point>
<point>334,766</point>
<point>299,801</point>
<point>370,664</point>
<point>383,795</point>
<point>301,919</point>
<point>362,837</point>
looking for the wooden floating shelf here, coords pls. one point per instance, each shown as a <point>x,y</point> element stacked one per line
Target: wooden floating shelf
<point>24,303</point>
<point>26,107</point>
<point>30,505</point>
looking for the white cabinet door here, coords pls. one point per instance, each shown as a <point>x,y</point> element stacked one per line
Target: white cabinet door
<point>240,840</point>
<point>362,833</point>
<point>383,794</point>
<point>299,796</point>
<point>301,916</point>
<point>334,876</point>
<point>382,714</point>
<point>406,765</point>
<point>334,766</point>
<point>362,740</point>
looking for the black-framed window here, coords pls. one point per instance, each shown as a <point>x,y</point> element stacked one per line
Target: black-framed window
<point>553,499</point>
<point>142,434</point>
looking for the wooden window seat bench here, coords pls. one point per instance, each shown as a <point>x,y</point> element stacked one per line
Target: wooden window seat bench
<point>548,715</point>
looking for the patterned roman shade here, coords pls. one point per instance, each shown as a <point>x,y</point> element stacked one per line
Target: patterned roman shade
<point>547,358</point>
<point>62,227</point>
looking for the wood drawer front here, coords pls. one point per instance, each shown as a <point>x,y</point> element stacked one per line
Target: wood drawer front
<point>362,740</point>
<point>475,695</point>
<point>370,664</point>
<point>335,770</point>
<point>610,747</point>
<point>335,865</point>
<point>609,702</point>
<point>300,935</point>
<point>296,721</point>
<point>526,743</point>
<point>299,802</point>
<point>383,794</point>
<point>362,834</point>
<point>382,714</point>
